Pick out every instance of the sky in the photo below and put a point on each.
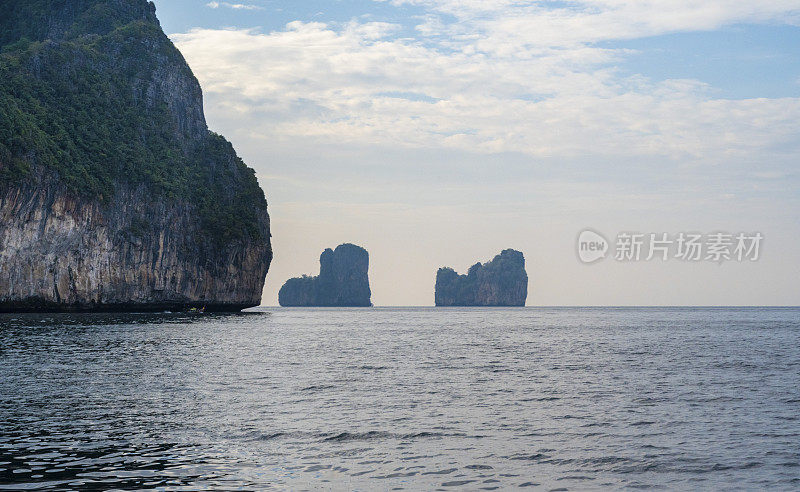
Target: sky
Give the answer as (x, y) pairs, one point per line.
(437, 133)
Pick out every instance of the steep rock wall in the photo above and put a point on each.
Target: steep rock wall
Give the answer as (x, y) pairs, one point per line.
(114, 195)
(500, 282)
(343, 281)
(62, 253)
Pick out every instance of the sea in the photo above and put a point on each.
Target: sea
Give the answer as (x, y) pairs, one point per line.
(403, 399)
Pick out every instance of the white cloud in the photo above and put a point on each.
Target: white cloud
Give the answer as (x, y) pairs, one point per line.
(235, 6)
(503, 25)
(649, 16)
(359, 84)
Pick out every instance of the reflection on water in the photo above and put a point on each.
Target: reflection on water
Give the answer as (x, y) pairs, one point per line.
(402, 398)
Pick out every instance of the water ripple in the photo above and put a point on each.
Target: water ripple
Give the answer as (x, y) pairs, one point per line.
(478, 399)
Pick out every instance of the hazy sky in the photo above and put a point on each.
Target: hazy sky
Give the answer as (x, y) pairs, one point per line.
(436, 133)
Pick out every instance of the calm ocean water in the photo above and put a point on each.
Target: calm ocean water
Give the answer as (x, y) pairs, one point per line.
(392, 399)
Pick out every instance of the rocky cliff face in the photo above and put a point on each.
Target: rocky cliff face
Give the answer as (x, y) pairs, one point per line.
(114, 195)
(343, 281)
(60, 252)
(500, 282)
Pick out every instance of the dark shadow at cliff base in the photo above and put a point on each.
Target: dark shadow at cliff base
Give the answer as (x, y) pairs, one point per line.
(28, 321)
(39, 306)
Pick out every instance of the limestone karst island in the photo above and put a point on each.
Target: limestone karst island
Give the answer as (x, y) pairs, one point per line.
(343, 281)
(114, 195)
(500, 282)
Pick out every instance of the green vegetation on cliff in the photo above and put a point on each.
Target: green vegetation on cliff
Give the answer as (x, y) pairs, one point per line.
(94, 93)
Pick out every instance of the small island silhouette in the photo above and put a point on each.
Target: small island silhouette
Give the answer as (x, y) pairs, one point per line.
(343, 281)
(500, 282)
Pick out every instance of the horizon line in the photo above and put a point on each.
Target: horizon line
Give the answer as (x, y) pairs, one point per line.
(551, 306)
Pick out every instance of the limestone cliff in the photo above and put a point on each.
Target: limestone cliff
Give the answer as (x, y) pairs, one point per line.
(343, 281)
(500, 282)
(114, 195)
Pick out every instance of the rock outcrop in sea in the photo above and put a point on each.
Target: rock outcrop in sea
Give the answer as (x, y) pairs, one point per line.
(343, 281)
(114, 195)
(500, 282)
